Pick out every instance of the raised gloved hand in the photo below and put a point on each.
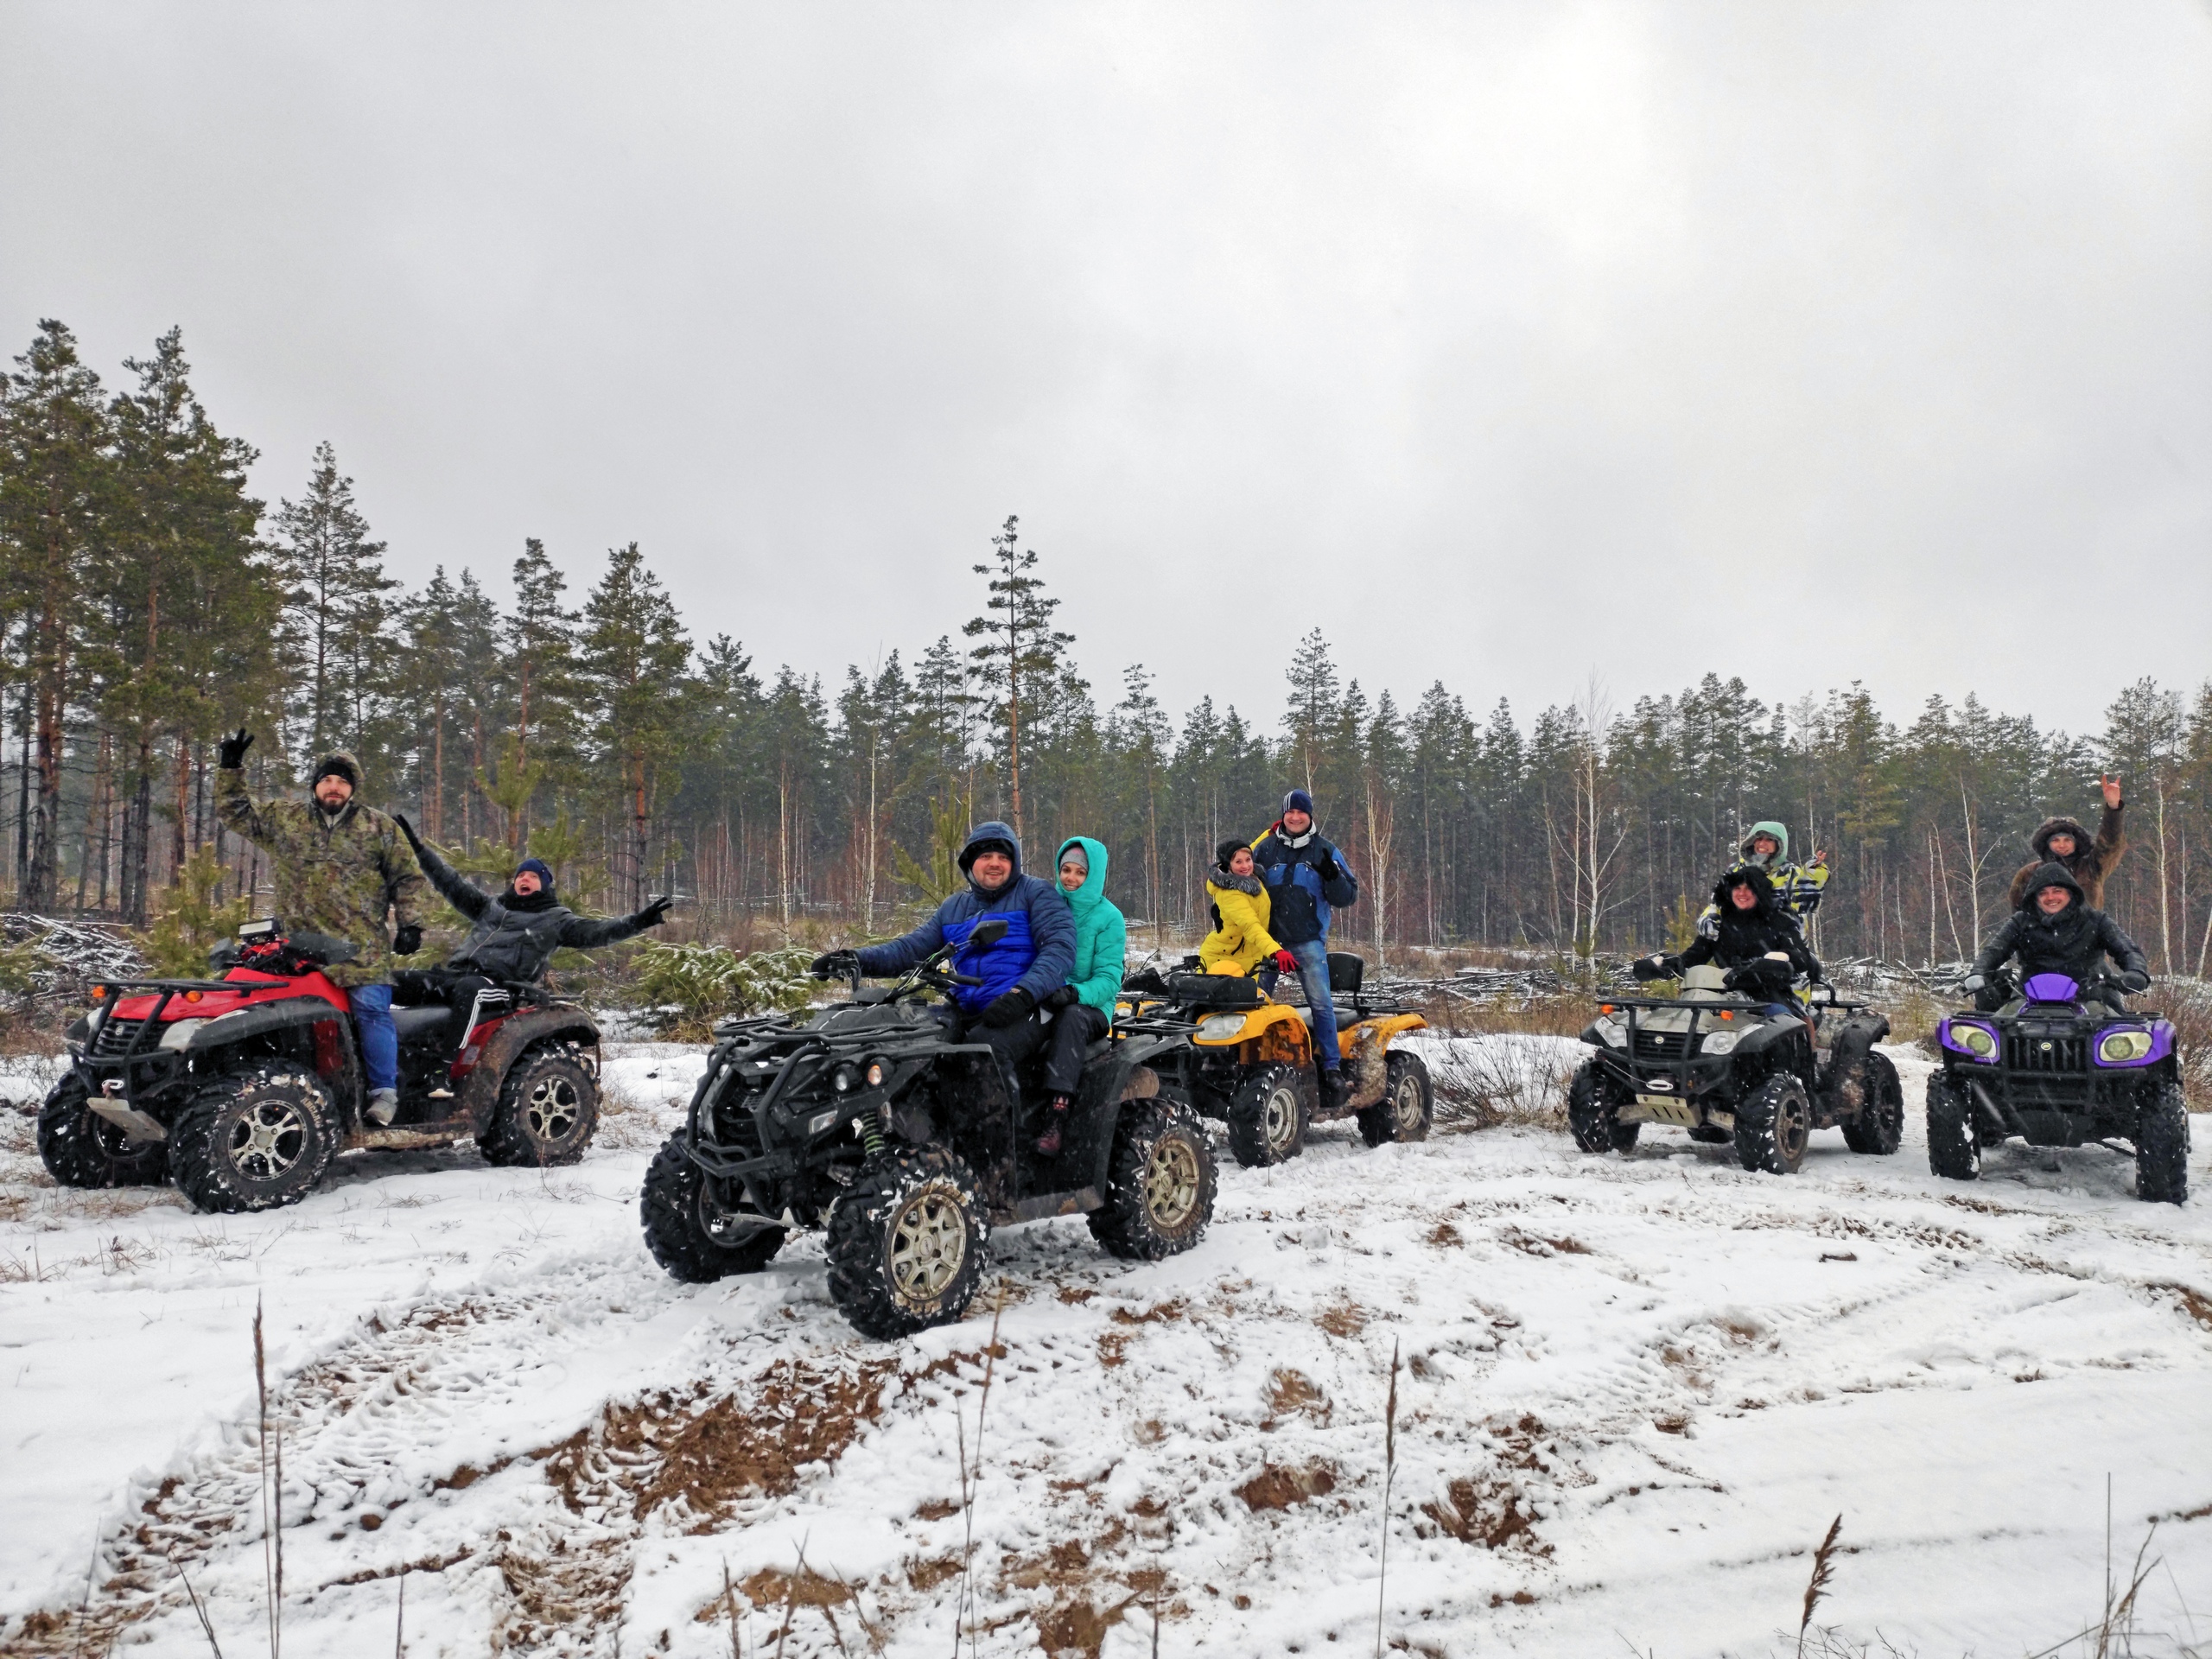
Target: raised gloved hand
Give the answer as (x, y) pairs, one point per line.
(2135, 980)
(835, 964)
(1066, 997)
(1649, 968)
(407, 941)
(1006, 1007)
(656, 912)
(406, 829)
(1285, 962)
(230, 754)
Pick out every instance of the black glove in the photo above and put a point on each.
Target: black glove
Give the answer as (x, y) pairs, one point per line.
(2135, 980)
(1006, 1007)
(406, 829)
(1063, 998)
(837, 965)
(1971, 984)
(656, 912)
(230, 754)
(1650, 968)
(407, 941)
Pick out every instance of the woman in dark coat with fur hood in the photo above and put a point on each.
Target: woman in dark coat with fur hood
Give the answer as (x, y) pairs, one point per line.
(1754, 939)
(2063, 841)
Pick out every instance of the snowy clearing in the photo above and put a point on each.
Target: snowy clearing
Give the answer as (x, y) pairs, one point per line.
(1635, 1392)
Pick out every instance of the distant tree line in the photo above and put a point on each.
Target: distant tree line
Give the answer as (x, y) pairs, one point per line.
(148, 603)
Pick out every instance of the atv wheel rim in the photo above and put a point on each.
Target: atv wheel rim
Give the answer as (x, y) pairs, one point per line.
(929, 1245)
(1170, 1184)
(267, 1140)
(1792, 1129)
(552, 1110)
(1405, 1106)
(1280, 1119)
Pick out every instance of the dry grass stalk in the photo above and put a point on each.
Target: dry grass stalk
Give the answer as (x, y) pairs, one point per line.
(729, 1602)
(272, 1503)
(1389, 1474)
(399, 1623)
(970, 1481)
(1817, 1587)
(200, 1612)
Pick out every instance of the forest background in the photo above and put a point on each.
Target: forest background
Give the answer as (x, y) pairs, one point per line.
(148, 603)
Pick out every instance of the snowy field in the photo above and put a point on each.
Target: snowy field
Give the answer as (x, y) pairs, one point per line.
(1633, 1393)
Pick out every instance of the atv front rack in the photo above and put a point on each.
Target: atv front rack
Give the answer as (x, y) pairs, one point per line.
(1631, 1060)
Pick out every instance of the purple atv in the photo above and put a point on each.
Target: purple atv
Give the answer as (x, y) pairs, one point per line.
(2061, 1066)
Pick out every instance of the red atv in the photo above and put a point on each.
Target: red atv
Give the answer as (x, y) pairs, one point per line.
(243, 1089)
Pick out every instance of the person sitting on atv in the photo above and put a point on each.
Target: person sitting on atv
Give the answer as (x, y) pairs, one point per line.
(1307, 878)
(1760, 945)
(1238, 900)
(2056, 931)
(340, 869)
(1083, 1007)
(513, 934)
(1020, 970)
(1797, 887)
(2062, 840)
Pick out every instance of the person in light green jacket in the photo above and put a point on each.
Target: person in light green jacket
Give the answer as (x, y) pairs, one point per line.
(1083, 1007)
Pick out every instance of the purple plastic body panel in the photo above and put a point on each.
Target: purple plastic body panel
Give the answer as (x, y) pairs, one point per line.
(2051, 987)
(1943, 1035)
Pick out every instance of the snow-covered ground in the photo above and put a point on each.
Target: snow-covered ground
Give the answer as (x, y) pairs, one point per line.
(1633, 1393)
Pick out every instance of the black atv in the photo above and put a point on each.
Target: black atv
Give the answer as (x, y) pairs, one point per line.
(1721, 1066)
(869, 1122)
(2060, 1064)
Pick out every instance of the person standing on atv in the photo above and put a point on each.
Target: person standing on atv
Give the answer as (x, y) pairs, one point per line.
(1083, 1007)
(2062, 840)
(1240, 941)
(1306, 880)
(1797, 887)
(1020, 970)
(2056, 931)
(1759, 943)
(339, 868)
(512, 935)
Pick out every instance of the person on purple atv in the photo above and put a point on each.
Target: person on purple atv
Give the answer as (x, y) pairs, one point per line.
(2055, 931)
(1020, 970)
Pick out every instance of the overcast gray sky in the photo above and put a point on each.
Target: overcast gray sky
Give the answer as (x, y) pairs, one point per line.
(1812, 342)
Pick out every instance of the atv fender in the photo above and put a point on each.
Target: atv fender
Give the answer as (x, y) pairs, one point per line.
(236, 1026)
(479, 1094)
(1766, 1035)
(1365, 1045)
(1847, 1052)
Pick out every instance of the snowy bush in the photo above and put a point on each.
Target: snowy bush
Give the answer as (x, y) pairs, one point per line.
(694, 985)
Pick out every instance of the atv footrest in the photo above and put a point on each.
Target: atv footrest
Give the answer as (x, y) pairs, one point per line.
(1078, 1203)
(406, 1137)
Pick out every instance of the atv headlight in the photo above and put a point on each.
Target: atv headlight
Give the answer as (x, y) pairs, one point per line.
(1219, 1027)
(1719, 1042)
(180, 1033)
(2118, 1047)
(842, 1079)
(878, 1069)
(1611, 1031)
(822, 1123)
(1976, 1041)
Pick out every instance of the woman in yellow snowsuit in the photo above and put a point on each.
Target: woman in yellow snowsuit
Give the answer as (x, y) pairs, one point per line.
(1240, 941)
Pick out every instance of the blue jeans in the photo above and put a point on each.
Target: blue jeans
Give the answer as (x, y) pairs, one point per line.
(1313, 974)
(379, 1037)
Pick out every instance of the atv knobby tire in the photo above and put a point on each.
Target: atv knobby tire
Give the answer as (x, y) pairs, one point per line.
(548, 1110)
(907, 1243)
(254, 1140)
(1594, 1101)
(1407, 1106)
(1269, 1115)
(1773, 1126)
(82, 1148)
(2162, 1147)
(1954, 1144)
(695, 1241)
(1878, 1124)
(1159, 1187)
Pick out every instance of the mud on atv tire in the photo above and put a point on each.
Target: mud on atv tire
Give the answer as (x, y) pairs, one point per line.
(254, 1140)
(1954, 1147)
(1591, 1101)
(1773, 1126)
(1879, 1125)
(907, 1243)
(1268, 1116)
(2162, 1147)
(1159, 1187)
(1408, 1107)
(678, 1223)
(548, 1110)
(82, 1148)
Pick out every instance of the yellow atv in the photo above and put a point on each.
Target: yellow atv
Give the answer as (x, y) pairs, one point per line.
(1251, 1061)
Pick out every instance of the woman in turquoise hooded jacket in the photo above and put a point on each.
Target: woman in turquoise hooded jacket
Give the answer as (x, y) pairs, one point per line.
(1083, 1007)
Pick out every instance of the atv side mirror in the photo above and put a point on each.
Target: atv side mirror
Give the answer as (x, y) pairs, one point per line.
(988, 933)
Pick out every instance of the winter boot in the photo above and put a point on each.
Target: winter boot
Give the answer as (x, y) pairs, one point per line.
(1335, 1090)
(383, 1107)
(1049, 1142)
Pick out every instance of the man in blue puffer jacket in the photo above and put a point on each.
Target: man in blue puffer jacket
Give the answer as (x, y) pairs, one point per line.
(1019, 972)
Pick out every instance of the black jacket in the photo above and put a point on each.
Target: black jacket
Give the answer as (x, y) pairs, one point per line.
(1307, 878)
(2074, 942)
(514, 937)
(1741, 938)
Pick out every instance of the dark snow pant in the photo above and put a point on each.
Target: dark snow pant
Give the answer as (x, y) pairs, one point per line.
(1010, 1044)
(421, 987)
(1074, 1029)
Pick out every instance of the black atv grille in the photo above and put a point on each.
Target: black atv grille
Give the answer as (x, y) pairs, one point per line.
(2046, 1056)
(116, 1036)
(1661, 1044)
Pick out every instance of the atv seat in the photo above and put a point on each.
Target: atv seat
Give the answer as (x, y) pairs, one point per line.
(1214, 990)
(419, 1025)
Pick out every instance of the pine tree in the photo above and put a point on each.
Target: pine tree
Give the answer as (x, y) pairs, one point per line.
(631, 666)
(541, 663)
(1020, 657)
(336, 584)
(1313, 703)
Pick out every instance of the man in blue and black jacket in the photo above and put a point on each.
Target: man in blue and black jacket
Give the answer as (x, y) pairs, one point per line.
(1024, 967)
(1307, 878)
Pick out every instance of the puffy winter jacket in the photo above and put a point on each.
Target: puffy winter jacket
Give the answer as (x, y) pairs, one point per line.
(1035, 954)
(513, 937)
(1797, 887)
(1241, 909)
(1741, 938)
(1307, 881)
(2090, 862)
(2075, 941)
(1101, 934)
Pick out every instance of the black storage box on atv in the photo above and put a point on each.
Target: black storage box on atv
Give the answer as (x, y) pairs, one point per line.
(868, 1121)
(1724, 1068)
(243, 1089)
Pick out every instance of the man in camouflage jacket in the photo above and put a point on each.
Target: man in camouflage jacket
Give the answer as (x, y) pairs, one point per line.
(340, 867)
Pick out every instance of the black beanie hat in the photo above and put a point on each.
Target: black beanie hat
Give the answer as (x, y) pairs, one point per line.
(1229, 850)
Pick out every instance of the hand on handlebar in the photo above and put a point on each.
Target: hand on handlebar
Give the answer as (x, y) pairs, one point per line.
(2134, 981)
(835, 964)
(1285, 962)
